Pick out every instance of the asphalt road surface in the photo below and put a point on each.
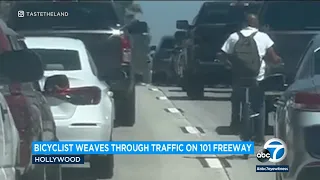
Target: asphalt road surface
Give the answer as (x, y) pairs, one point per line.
(165, 113)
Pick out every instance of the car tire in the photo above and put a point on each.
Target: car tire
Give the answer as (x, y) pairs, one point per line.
(125, 110)
(102, 166)
(193, 86)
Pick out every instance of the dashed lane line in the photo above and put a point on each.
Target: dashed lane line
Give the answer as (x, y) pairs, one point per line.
(172, 110)
(214, 161)
(192, 130)
(162, 98)
(154, 89)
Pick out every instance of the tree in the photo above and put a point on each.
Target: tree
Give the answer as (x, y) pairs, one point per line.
(128, 10)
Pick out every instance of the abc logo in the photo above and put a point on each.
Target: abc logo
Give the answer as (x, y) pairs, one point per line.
(263, 155)
(275, 150)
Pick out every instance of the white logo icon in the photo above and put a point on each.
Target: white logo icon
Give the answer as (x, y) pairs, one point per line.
(20, 14)
(277, 149)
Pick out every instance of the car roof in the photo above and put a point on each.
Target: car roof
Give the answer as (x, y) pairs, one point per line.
(55, 43)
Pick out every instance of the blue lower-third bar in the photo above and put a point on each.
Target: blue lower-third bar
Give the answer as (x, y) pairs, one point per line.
(272, 168)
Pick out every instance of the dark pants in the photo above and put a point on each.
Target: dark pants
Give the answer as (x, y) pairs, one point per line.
(256, 98)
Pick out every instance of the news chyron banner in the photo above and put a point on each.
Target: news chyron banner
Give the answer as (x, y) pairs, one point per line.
(69, 152)
(274, 151)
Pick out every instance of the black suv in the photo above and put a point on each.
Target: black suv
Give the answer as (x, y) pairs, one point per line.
(98, 26)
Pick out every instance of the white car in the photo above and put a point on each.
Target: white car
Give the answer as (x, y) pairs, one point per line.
(83, 111)
(9, 143)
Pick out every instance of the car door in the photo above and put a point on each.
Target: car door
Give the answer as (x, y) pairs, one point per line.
(302, 76)
(9, 142)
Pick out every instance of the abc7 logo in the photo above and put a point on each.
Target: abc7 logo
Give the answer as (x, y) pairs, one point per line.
(275, 150)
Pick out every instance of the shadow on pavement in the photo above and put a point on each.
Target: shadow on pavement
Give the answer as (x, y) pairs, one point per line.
(185, 98)
(206, 91)
(224, 130)
(76, 174)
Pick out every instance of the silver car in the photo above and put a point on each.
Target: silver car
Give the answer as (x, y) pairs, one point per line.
(297, 118)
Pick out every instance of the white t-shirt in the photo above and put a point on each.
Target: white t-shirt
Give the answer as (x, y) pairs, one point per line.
(263, 41)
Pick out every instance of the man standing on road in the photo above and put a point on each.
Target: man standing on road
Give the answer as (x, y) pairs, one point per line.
(264, 46)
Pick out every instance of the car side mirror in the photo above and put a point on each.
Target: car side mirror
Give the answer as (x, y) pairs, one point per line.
(21, 66)
(138, 27)
(182, 24)
(56, 83)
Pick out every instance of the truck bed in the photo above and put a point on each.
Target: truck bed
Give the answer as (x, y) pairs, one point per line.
(290, 46)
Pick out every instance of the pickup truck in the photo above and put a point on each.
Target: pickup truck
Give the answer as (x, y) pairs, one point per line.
(291, 25)
(98, 26)
(205, 36)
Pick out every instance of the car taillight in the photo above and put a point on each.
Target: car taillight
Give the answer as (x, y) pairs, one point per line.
(126, 50)
(80, 96)
(305, 100)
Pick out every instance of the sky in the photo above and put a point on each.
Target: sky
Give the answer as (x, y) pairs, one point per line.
(161, 16)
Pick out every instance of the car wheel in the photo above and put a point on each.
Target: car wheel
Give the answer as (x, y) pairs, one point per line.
(102, 166)
(125, 110)
(194, 88)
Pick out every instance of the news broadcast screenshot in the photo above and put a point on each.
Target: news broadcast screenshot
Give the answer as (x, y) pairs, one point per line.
(159, 90)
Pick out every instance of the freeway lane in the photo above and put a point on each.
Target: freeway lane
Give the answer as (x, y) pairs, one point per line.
(156, 121)
(209, 114)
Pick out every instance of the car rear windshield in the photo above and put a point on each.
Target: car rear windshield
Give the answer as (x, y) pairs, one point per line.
(292, 15)
(59, 60)
(167, 43)
(63, 15)
(317, 61)
(226, 12)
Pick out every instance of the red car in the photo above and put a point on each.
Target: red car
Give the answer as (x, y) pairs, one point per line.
(30, 112)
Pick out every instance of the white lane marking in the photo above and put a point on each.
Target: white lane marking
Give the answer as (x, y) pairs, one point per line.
(162, 98)
(173, 110)
(153, 89)
(192, 130)
(214, 162)
(85, 165)
(143, 84)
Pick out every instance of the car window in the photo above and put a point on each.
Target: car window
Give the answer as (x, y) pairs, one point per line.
(304, 53)
(304, 70)
(66, 15)
(167, 43)
(292, 15)
(226, 12)
(59, 60)
(92, 65)
(316, 61)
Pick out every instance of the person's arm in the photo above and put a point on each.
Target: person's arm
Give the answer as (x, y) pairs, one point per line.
(270, 52)
(227, 49)
(273, 56)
